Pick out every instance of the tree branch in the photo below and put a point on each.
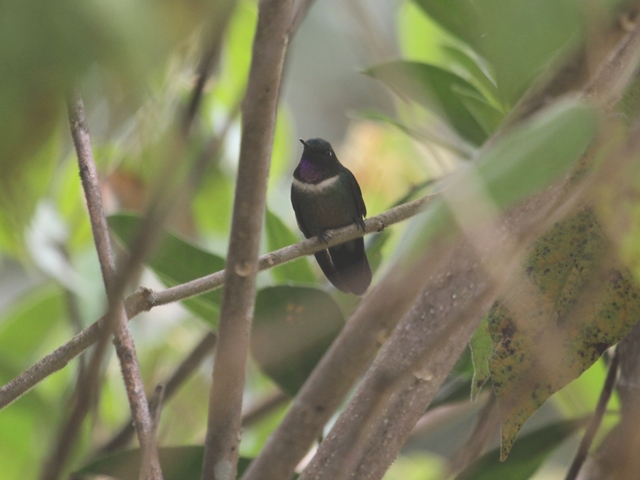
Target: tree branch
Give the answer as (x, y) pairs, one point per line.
(116, 319)
(413, 363)
(342, 364)
(145, 299)
(258, 115)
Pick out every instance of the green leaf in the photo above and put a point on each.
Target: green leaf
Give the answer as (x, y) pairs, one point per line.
(494, 29)
(237, 54)
(176, 261)
(25, 178)
(214, 194)
(517, 53)
(21, 433)
(488, 117)
(177, 463)
(415, 30)
(460, 17)
(459, 59)
(419, 464)
(527, 456)
(293, 327)
(532, 156)
(30, 321)
(434, 88)
(278, 236)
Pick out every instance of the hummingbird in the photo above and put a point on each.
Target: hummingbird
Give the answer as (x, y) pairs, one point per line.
(325, 195)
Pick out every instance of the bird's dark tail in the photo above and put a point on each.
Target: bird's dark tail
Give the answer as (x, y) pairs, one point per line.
(346, 266)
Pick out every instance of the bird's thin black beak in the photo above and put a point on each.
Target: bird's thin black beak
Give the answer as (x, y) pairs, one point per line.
(303, 142)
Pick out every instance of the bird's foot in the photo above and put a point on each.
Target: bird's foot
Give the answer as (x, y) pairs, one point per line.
(324, 237)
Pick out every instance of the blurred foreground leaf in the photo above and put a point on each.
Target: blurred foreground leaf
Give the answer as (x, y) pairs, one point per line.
(459, 17)
(23, 183)
(496, 30)
(27, 325)
(519, 164)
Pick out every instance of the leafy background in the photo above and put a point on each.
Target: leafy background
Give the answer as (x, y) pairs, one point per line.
(407, 92)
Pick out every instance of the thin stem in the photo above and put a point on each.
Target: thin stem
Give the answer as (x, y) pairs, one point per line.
(596, 419)
(292, 252)
(212, 46)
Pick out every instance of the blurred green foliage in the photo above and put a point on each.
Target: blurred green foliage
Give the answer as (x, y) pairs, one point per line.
(464, 65)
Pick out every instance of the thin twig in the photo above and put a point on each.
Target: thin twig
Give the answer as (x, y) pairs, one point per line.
(155, 407)
(212, 46)
(118, 320)
(292, 252)
(258, 115)
(617, 454)
(88, 385)
(596, 419)
(156, 403)
(116, 279)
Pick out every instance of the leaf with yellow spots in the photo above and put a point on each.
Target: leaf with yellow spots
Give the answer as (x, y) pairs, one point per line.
(569, 303)
(293, 327)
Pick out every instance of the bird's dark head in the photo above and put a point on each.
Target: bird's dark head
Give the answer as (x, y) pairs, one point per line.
(317, 146)
(318, 161)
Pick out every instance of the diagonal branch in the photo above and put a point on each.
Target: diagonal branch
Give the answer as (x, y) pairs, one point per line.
(145, 299)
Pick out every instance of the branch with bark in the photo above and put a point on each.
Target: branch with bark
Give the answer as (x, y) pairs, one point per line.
(145, 299)
(115, 322)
